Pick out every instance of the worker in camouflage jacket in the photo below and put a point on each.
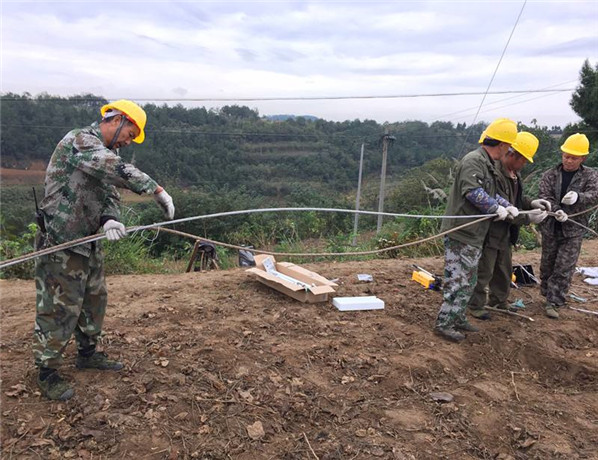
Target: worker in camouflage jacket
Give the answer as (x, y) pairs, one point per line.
(495, 266)
(81, 199)
(473, 193)
(571, 188)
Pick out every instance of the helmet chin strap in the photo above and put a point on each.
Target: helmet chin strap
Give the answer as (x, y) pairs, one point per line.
(117, 132)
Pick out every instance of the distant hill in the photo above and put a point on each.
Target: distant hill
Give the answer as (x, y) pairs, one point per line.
(285, 117)
(234, 147)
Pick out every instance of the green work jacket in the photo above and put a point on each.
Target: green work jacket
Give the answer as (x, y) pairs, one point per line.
(502, 233)
(475, 170)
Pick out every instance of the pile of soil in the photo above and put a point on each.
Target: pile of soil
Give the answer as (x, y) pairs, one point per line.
(218, 366)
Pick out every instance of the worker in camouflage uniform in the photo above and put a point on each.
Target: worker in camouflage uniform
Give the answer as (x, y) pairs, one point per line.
(81, 199)
(571, 188)
(472, 193)
(495, 266)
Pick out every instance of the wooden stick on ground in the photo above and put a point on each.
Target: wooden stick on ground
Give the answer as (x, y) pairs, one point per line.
(514, 386)
(591, 312)
(508, 312)
(309, 445)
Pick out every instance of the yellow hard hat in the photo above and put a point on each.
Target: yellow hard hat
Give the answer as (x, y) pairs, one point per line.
(133, 112)
(526, 144)
(576, 144)
(501, 129)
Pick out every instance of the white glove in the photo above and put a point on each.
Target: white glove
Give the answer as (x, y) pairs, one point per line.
(537, 216)
(164, 200)
(114, 230)
(541, 204)
(513, 212)
(570, 198)
(502, 213)
(561, 216)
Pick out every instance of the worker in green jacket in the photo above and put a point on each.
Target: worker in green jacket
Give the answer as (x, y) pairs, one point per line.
(495, 266)
(472, 193)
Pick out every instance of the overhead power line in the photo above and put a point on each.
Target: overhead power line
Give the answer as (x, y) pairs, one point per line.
(492, 109)
(291, 98)
(494, 74)
(194, 132)
(518, 96)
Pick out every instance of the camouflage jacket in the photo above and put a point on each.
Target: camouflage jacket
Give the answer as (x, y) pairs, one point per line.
(585, 183)
(80, 187)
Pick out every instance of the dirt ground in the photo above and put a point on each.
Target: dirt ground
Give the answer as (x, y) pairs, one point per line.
(218, 366)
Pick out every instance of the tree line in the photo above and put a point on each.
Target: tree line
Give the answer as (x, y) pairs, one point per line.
(232, 158)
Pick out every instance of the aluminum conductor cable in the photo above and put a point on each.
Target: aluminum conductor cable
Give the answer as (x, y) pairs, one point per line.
(351, 253)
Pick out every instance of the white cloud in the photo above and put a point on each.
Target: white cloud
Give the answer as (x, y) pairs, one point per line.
(269, 49)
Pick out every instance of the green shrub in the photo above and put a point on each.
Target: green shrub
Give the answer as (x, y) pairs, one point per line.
(527, 238)
(406, 230)
(128, 255)
(9, 249)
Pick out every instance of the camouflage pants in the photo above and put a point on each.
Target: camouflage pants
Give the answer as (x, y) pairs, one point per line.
(71, 299)
(559, 256)
(494, 273)
(460, 276)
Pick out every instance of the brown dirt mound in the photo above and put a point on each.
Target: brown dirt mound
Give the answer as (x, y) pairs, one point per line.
(219, 367)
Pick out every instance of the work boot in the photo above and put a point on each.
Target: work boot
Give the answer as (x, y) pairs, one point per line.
(54, 387)
(466, 326)
(552, 311)
(449, 332)
(480, 313)
(505, 307)
(98, 360)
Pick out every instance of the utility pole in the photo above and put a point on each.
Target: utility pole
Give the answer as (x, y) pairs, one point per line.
(358, 196)
(386, 139)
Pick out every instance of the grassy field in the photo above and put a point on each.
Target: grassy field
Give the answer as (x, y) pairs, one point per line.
(35, 176)
(21, 176)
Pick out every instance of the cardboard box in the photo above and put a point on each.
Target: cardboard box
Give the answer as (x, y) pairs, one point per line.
(315, 288)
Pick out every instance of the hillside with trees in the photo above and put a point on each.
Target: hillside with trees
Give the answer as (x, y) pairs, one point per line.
(233, 158)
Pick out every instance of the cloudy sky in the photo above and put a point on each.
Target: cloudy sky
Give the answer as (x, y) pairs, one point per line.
(148, 50)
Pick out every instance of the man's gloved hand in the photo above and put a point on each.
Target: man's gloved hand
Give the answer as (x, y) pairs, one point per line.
(164, 200)
(541, 204)
(561, 216)
(512, 211)
(502, 213)
(114, 230)
(570, 198)
(537, 215)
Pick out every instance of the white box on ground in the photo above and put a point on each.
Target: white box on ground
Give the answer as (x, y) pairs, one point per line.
(358, 303)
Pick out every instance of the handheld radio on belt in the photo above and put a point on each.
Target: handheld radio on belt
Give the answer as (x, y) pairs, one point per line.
(39, 216)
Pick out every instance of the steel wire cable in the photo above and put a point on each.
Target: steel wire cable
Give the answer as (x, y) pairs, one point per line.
(161, 225)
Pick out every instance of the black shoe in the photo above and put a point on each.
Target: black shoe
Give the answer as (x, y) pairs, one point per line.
(449, 333)
(480, 313)
(466, 326)
(55, 387)
(98, 360)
